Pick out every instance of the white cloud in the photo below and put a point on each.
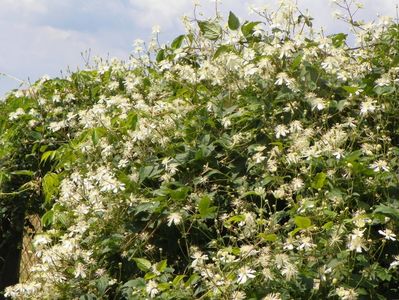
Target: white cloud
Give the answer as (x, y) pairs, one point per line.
(46, 36)
(23, 6)
(154, 12)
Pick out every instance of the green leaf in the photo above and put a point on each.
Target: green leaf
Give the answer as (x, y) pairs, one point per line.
(135, 283)
(302, 222)
(319, 180)
(161, 266)
(23, 173)
(235, 219)
(328, 225)
(193, 279)
(341, 104)
(233, 21)
(222, 49)
(210, 30)
(102, 284)
(160, 55)
(97, 133)
(295, 231)
(384, 90)
(177, 42)
(177, 280)
(50, 185)
(131, 121)
(48, 155)
(179, 194)
(149, 276)
(163, 286)
(296, 62)
(204, 208)
(268, 237)
(339, 39)
(142, 263)
(148, 172)
(248, 27)
(350, 89)
(387, 211)
(47, 218)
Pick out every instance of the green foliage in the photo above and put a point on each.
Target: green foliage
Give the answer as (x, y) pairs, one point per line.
(233, 21)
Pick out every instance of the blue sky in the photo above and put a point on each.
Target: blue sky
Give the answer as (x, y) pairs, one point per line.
(41, 37)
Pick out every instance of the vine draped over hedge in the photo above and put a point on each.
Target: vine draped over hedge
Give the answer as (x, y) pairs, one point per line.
(246, 160)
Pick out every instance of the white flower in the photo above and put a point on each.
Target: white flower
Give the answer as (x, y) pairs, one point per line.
(258, 157)
(282, 78)
(388, 234)
(226, 122)
(152, 288)
(286, 50)
(289, 271)
(199, 258)
(156, 29)
(288, 244)
(330, 64)
(248, 250)
(356, 241)
(306, 244)
(338, 154)
(174, 218)
(272, 296)
(281, 130)
(16, 114)
(296, 126)
(244, 274)
(346, 294)
(260, 148)
(238, 295)
(297, 184)
(41, 240)
(56, 126)
(281, 260)
(395, 263)
(260, 191)
(80, 271)
(380, 165)
(316, 102)
(367, 106)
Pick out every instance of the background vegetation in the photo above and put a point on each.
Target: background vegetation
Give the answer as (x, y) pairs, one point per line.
(245, 160)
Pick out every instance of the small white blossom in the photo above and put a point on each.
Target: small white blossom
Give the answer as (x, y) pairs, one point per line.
(272, 296)
(244, 274)
(80, 271)
(356, 241)
(379, 165)
(282, 78)
(388, 234)
(367, 106)
(281, 131)
(174, 218)
(297, 184)
(258, 157)
(395, 263)
(152, 288)
(306, 244)
(346, 294)
(16, 114)
(199, 259)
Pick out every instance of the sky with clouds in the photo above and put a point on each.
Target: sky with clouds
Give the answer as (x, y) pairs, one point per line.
(49, 36)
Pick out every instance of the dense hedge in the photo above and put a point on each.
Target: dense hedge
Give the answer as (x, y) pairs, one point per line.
(245, 160)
